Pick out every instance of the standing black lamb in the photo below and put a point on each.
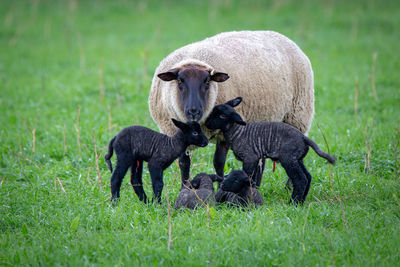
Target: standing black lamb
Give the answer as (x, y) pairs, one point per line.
(136, 144)
(251, 143)
(238, 189)
(198, 191)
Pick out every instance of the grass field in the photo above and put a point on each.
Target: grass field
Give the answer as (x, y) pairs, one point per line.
(73, 73)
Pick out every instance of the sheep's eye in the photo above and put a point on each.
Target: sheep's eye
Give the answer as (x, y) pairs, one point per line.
(222, 116)
(195, 133)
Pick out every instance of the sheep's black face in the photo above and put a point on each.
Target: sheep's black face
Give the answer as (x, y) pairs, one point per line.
(224, 115)
(192, 133)
(193, 83)
(235, 181)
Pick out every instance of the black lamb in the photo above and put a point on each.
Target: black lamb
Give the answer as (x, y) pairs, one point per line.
(136, 144)
(198, 191)
(252, 143)
(237, 189)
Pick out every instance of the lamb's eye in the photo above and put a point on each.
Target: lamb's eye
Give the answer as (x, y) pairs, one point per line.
(222, 116)
(195, 133)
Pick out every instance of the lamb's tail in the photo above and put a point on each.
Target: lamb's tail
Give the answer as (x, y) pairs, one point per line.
(108, 156)
(317, 150)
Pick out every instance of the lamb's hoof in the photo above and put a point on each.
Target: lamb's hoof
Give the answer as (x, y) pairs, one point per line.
(114, 202)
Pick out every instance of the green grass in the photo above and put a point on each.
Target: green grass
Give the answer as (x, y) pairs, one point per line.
(57, 57)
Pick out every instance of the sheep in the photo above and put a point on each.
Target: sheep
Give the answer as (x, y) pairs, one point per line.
(238, 189)
(136, 144)
(266, 68)
(252, 143)
(198, 191)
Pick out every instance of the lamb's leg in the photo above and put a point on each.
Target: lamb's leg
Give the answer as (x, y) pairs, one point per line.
(250, 168)
(308, 175)
(220, 157)
(184, 165)
(289, 184)
(260, 171)
(122, 166)
(299, 180)
(136, 179)
(156, 174)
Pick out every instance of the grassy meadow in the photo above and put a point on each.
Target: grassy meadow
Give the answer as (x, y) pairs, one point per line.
(74, 73)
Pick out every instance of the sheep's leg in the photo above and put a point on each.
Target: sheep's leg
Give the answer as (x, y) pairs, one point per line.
(260, 171)
(220, 157)
(156, 174)
(308, 175)
(136, 179)
(250, 168)
(299, 180)
(117, 176)
(184, 165)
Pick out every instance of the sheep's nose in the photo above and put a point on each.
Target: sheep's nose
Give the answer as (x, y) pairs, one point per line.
(194, 114)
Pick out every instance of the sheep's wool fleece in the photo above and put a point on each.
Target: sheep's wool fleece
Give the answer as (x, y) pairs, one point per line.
(267, 69)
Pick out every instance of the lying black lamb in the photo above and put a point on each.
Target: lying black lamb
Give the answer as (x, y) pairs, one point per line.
(252, 143)
(238, 189)
(136, 144)
(198, 191)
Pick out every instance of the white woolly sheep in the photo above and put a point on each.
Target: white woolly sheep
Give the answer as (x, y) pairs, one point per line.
(266, 68)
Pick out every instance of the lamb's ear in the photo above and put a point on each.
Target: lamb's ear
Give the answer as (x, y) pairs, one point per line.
(234, 102)
(216, 178)
(179, 124)
(195, 183)
(170, 75)
(238, 119)
(218, 76)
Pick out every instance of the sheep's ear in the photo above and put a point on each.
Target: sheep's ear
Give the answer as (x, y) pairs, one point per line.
(216, 178)
(179, 124)
(234, 102)
(238, 119)
(218, 76)
(170, 75)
